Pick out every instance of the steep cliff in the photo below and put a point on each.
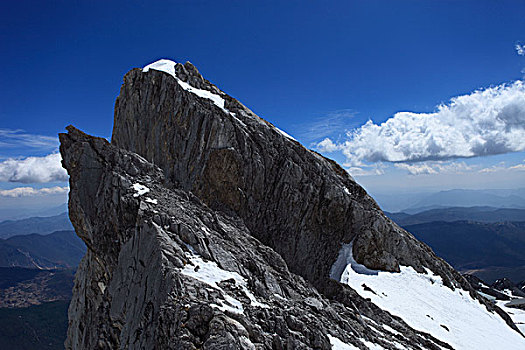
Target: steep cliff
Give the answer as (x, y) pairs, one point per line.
(208, 227)
(164, 271)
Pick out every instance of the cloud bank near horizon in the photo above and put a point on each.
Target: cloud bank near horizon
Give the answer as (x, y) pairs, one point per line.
(33, 169)
(485, 122)
(30, 191)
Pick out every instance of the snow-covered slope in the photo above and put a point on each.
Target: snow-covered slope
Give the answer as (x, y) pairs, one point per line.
(517, 315)
(424, 303)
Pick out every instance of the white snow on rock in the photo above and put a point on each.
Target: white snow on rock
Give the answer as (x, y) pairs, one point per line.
(338, 344)
(210, 273)
(216, 99)
(140, 189)
(163, 65)
(150, 200)
(284, 134)
(168, 66)
(426, 304)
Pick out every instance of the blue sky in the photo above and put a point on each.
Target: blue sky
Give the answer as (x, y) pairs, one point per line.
(314, 69)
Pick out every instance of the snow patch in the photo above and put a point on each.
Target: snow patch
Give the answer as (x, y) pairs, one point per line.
(284, 134)
(168, 66)
(345, 259)
(338, 344)
(210, 273)
(139, 189)
(150, 200)
(426, 304)
(517, 315)
(162, 65)
(390, 329)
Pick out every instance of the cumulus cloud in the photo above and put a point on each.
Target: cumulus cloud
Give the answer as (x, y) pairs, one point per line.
(365, 171)
(33, 169)
(485, 122)
(425, 168)
(327, 146)
(30, 191)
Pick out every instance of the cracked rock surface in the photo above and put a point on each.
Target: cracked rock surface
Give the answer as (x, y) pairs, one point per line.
(164, 271)
(208, 228)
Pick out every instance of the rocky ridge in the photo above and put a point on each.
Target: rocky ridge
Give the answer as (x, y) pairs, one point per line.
(230, 239)
(164, 271)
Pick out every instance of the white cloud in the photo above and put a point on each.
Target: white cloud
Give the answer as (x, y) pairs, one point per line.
(30, 191)
(365, 170)
(10, 138)
(520, 167)
(327, 146)
(485, 122)
(520, 49)
(502, 167)
(33, 169)
(359, 171)
(417, 169)
(435, 168)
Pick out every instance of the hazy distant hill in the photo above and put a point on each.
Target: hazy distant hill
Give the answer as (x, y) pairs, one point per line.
(470, 198)
(488, 250)
(40, 225)
(417, 202)
(480, 214)
(59, 249)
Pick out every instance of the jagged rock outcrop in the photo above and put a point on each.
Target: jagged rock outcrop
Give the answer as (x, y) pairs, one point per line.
(164, 271)
(504, 284)
(207, 227)
(294, 200)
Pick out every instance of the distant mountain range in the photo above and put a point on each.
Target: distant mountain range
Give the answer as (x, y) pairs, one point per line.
(486, 242)
(61, 249)
(42, 225)
(412, 203)
(479, 214)
(34, 296)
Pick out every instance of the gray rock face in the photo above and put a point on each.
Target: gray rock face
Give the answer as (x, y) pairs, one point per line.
(206, 227)
(164, 271)
(299, 203)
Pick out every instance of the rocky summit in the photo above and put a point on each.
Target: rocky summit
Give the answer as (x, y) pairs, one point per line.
(208, 227)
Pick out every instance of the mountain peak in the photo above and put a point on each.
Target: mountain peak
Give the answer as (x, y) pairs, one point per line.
(233, 233)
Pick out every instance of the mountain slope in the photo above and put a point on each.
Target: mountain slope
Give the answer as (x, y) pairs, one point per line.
(22, 287)
(35, 327)
(42, 225)
(297, 202)
(233, 239)
(489, 250)
(61, 249)
(174, 274)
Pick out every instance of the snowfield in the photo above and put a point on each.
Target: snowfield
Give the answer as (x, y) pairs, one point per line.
(425, 304)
